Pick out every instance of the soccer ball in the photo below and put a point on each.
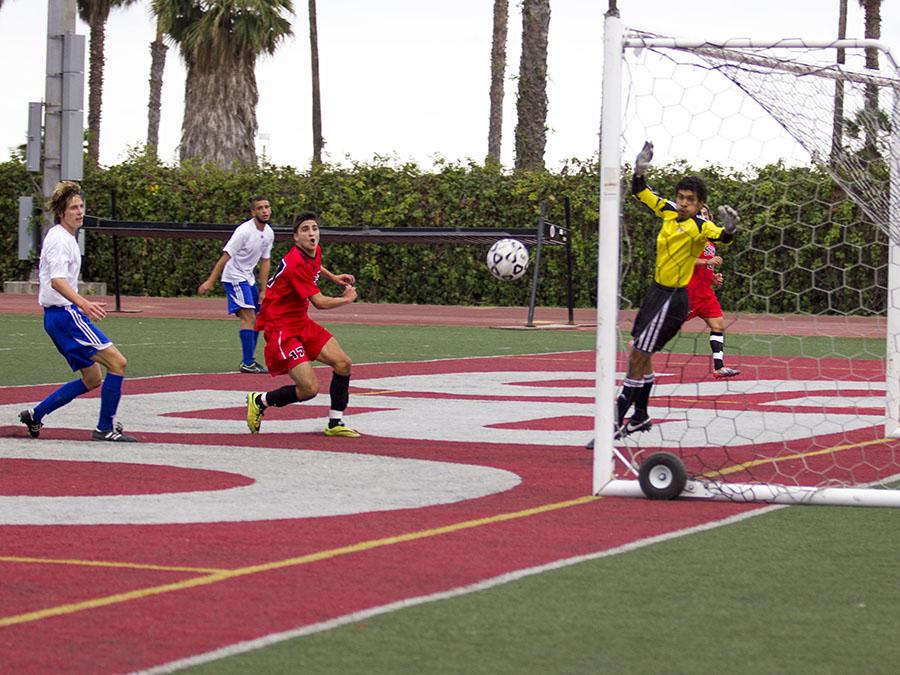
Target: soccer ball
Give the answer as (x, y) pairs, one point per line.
(507, 259)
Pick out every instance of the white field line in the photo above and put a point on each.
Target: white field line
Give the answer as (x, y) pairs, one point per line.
(267, 640)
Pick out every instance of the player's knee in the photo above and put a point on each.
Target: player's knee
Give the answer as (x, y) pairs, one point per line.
(307, 390)
(92, 378)
(342, 366)
(117, 365)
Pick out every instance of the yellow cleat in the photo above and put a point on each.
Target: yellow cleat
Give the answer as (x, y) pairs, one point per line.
(341, 430)
(254, 413)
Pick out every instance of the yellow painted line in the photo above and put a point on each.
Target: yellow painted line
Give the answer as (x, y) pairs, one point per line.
(801, 455)
(218, 576)
(71, 608)
(379, 393)
(106, 563)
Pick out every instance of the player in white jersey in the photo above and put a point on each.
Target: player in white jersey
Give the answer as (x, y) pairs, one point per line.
(67, 320)
(249, 245)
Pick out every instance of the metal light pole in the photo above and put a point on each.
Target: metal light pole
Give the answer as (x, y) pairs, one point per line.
(63, 98)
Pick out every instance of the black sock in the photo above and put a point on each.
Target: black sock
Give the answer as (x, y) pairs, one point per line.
(642, 398)
(340, 392)
(717, 345)
(282, 396)
(630, 389)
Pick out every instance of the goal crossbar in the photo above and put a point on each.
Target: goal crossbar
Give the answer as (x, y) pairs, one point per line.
(725, 51)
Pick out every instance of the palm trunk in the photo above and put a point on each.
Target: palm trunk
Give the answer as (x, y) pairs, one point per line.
(531, 129)
(498, 73)
(316, 100)
(873, 31)
(158, 51)
(837, 124)
(220, 113)
(95, 87)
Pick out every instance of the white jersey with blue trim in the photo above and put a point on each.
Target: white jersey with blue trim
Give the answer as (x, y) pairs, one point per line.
(247, 245)
(60, 258)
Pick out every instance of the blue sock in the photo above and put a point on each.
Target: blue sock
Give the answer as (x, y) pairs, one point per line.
(248, 345)
(110, 394)
(255, 342)
(59, 398)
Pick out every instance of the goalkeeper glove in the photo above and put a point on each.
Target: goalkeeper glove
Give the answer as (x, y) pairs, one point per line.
(645, 156)
(728, 219)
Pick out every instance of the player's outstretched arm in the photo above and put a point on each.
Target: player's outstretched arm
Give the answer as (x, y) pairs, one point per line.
(213, 277)
(339, 279)
(322, 301)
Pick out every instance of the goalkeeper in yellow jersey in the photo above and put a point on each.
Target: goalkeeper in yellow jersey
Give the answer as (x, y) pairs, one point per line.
(682, 236)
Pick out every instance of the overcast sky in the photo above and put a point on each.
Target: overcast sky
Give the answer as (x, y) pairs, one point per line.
(402, 78)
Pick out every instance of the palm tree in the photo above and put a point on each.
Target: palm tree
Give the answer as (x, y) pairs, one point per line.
(158, 51)
(220, 41)
(531, 107)
(498, 72)
(316, 98)
(873, 31)
(95, 13)
(837, 125)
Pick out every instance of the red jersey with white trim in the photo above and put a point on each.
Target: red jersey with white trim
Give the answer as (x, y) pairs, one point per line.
(288, 291)
(701, 281)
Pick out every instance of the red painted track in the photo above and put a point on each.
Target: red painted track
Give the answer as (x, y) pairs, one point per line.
(160, 627)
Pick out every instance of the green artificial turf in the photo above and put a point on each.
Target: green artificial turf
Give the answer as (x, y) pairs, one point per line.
(796, 590)
(164, 346)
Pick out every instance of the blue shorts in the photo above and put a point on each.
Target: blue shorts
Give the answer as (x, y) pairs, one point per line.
(241, 295)
(76, 338)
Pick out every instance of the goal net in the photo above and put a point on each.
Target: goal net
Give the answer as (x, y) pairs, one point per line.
(803, 139)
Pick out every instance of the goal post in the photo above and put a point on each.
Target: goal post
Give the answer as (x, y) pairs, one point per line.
(758, 113)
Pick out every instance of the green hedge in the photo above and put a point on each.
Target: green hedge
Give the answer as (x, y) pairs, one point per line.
(802, 248)
(14, 182)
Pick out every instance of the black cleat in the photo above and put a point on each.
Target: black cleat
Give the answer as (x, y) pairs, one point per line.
(252, 368)
(633, 425)
(636, 424)
(115, 435)
(26, 417)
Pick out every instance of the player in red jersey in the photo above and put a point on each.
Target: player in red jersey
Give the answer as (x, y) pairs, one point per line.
(705, 304)
(294, 340)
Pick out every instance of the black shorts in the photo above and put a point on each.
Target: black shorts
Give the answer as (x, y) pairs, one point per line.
(660, 317)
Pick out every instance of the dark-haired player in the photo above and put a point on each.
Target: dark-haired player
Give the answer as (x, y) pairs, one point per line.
(68, 321)
(704, 303)
(250, 245)
(294, 340)
(682, 236)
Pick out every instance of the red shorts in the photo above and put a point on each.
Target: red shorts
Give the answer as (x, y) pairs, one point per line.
(285, 350)
(704, 305)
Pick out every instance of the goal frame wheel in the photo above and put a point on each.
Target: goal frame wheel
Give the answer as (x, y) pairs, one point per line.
(662, 476)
